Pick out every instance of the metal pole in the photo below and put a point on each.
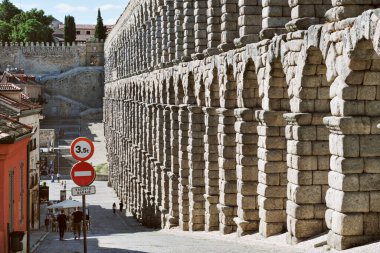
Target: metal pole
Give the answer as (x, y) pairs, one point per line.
(84, 224)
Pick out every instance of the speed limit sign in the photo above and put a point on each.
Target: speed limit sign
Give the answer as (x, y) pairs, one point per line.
(82, 149)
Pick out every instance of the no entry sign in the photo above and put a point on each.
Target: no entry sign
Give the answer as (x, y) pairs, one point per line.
(82, 149)
(83, 174)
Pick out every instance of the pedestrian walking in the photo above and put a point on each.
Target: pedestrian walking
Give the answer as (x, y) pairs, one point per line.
(121, 205)
(114, 207)
(62, 218)
(58, 176)
(47, 222)
(77, 223)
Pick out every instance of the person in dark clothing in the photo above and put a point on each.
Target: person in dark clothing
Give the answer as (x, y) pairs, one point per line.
(77, 223)
(62, 224)
(114, 208)
(47, 222)
(121, 205)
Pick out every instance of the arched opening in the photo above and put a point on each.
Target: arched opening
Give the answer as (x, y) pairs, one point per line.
(248, 99)
(308, 147)
(272, 150)
(200, 92)
(164, 92)
(180, 96)
(171, 91)
(212, 92)
(190, 96)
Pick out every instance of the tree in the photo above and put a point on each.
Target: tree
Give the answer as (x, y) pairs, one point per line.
(100, 29)
(38, 15)
(33, 31)
(5, 31)
(70, 29)
(8, 11)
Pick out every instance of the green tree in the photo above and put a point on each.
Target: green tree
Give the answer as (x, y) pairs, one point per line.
(38, 15)
(8, 11)
(70, 29)
(5, 31)
(33, 31)
(100, 29)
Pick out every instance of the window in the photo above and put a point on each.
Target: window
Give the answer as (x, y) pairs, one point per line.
(78, 32)
(21, 192)
(88, 32)
(11, 200)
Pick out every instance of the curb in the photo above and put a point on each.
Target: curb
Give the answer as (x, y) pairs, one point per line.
(35, 246)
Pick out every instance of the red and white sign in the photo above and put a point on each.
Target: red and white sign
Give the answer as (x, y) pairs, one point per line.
(83, 174)
(82, 149)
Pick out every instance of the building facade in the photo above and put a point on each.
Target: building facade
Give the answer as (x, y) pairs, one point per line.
(245, 116)
(14, 138)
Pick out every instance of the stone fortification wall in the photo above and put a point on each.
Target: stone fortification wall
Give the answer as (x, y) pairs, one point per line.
(50, 58)
(244, 116)
(73, 92)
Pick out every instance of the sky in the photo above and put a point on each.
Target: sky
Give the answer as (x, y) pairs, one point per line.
(84, 11)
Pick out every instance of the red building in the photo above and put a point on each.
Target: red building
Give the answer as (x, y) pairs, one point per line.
(14, 138)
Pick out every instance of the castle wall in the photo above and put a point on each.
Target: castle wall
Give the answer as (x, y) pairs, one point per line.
(271, 128)
(51, 58)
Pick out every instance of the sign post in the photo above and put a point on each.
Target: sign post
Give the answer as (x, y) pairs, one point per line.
(83, 174)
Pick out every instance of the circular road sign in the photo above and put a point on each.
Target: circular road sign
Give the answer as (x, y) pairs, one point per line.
(82, 149)
(83, 174)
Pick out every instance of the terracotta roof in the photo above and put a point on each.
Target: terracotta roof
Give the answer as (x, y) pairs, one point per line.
(9, 111)
(20, 105)
(11, 129)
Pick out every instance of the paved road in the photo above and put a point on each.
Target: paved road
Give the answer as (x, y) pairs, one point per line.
(119, 233)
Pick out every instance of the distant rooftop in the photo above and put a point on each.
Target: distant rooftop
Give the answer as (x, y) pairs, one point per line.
(11, 129)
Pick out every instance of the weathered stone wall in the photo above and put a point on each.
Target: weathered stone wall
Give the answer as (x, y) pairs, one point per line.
(232, 116)
(43, 59)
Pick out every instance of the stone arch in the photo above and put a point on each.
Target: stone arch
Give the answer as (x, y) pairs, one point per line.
(171, 92)
(180, 94)
(200, 92)
(310, 103)
(164, 92)
(212, 90)
(248, 89)
(228, 89)
(190, 91)
(272, 149)
(355, 149)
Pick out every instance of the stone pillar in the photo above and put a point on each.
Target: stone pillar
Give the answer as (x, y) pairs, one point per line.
(170, 29)
(197, 169)
(174, 172)
(158, 39)
(166, 168)
(211, 169)
(306, 14)
(308, 167)
(164, 35)
(178, 19)
(249, 22)
(353, 197)
(272, 172)
(227, 171)
(188, 30)
(148, 50)
(229, 22)
(275, 15)
(183, 135)
(153, 42)
(247, 173)
(200, 27)
(214, 12)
